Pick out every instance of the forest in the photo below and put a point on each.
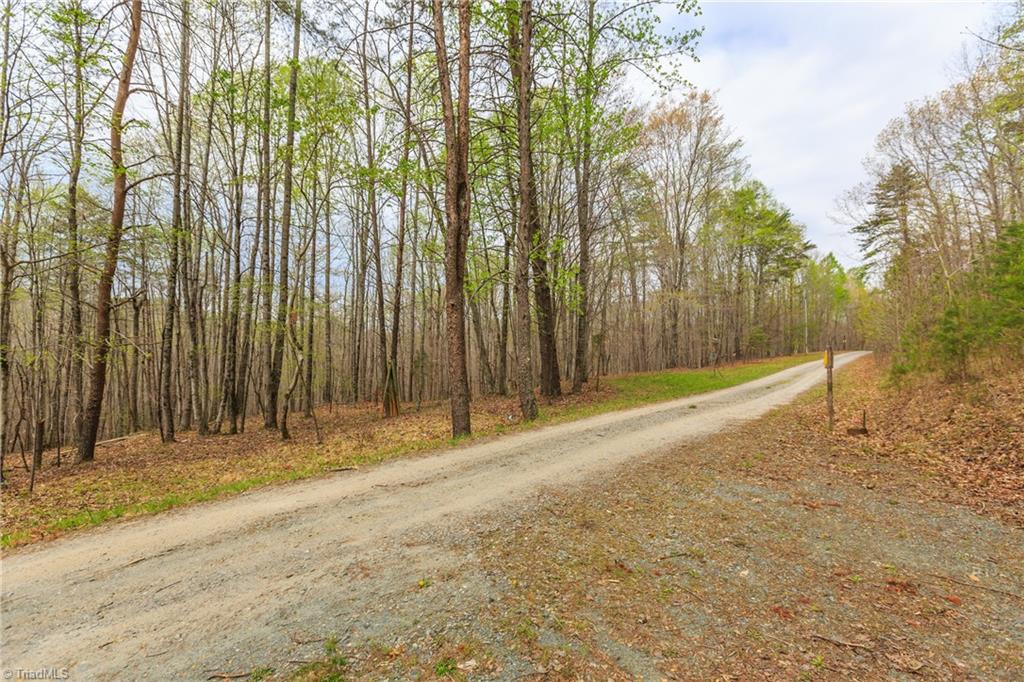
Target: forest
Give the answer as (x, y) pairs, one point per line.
(485, 340)
(218, 214)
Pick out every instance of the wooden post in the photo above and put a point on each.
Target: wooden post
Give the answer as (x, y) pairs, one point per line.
(37, 452)
(829, 364)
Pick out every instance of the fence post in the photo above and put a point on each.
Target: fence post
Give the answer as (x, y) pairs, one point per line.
(829, 364)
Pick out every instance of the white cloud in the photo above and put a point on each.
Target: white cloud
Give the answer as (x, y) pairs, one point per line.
(808, 86)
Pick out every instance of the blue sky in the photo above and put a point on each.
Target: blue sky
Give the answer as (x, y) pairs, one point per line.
(808, 86)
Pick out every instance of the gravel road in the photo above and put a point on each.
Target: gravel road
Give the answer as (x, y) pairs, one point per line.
(226, 586)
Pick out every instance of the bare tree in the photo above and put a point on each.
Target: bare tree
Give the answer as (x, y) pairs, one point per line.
(98, 379)
(283, 308)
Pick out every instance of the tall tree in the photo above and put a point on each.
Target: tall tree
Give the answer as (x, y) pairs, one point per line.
(391, 382)
(98, 378)
(457, 198)
(167, 338)
(283, 307)
(520, 42)
(267, 276)
(78, 33)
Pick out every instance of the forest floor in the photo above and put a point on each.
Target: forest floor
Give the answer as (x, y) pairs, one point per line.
(140, 475)
(707, 538)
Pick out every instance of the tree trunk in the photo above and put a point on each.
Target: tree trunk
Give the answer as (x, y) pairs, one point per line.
(74, 274)
(6, 290)
(457, 206)
(310, 314)
(583, 213)
(267, 293)
(167, 337)
(522, 77)
(389, 394)
(98, 379)
(391, 383)
(274, 379)
(328, 392)
(501, 380)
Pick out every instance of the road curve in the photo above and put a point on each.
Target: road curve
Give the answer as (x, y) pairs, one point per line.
(181, 594)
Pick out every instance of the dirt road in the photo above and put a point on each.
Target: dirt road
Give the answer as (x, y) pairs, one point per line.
(231, 585)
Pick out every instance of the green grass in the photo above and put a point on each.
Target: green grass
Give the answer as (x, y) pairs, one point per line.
(635, 390)
(94, 517)
(628, 391)
(657, 386)
(445, 668)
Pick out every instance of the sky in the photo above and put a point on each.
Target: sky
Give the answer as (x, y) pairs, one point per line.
(809, 85)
